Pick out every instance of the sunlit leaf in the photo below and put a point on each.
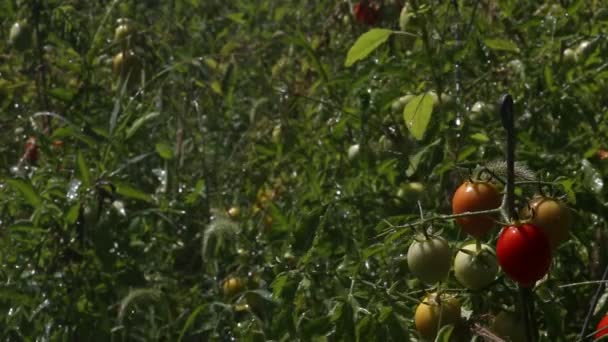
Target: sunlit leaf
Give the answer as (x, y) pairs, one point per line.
(417, 115)
(366, 44)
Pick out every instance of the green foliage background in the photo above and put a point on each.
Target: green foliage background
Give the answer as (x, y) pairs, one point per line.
(122, 232)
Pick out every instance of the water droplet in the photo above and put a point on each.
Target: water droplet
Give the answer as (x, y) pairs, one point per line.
(73, 188)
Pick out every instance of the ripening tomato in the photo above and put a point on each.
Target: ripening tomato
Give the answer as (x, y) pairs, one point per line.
(602, 328)
(232, 286)
(234, 212)
(434, 312)
(552, 215)
(429, 259)
(31, 150)
(476, 196)
(365, 14)
(524, 253)
(475, 268)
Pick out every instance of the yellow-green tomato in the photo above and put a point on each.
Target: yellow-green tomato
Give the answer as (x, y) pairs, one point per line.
(122, 32)
(429, 259)
(353, 151)
(508, 326)
(126, 64)
(435, 312)
(475, 268)
(569, 55)
(20, 36)
(232, 286)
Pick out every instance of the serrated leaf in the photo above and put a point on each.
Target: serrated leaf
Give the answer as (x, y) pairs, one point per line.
(501, 45)
(366, 44)
(27, 191)
(164, 151)
(417, 115)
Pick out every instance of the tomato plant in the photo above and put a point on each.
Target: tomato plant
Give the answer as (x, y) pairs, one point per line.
(434, 312)
(429, 259)
(474, 267)
(524, 253)
(475, 196)
(552, 215)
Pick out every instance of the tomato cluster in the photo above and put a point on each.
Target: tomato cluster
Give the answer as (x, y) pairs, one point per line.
(523, 251)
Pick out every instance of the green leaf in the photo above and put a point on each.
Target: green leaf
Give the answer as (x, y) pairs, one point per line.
(73, 213)
(501, 45)
(164, 151)
(366, 43)
(131, 192)
(62, 94)
(26, 189)
(417, 115)
(191, 319)
(480, 137)
(139, 122)
(83, 169)
(445, 334)
(549, 79)
(417, 158)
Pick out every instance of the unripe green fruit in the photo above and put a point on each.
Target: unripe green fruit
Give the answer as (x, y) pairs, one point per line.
(122, 32)
(429, 259)
(475, 269)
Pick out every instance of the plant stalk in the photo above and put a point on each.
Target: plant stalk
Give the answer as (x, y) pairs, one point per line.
(508, 121)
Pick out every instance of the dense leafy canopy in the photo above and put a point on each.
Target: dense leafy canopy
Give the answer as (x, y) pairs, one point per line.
(115, 221)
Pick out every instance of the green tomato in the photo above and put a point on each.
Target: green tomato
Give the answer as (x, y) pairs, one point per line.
(353, 151)
(429, 259)
(475, 269)
(122, 32)
(569, 56)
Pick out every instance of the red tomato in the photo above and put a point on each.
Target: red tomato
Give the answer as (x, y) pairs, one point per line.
(602, 328)
(524, 253)
(476, 196)
(365, 14)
